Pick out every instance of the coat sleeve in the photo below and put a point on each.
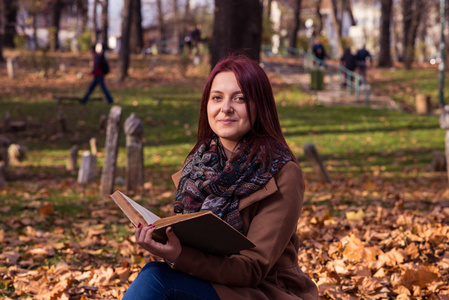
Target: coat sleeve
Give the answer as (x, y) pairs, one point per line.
(271, 229)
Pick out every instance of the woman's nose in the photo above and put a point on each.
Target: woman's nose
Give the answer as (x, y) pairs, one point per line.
(227, 107)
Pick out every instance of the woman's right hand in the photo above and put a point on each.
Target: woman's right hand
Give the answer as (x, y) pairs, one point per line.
(168, 251)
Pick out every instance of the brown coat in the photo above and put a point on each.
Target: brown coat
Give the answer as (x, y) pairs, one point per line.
(270, 270)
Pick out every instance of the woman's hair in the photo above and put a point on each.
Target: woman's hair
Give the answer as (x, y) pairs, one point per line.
(256, 88)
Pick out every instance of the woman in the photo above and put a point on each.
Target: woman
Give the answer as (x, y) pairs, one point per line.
(241, 169)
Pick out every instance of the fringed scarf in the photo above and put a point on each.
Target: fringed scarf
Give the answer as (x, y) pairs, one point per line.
(210, 182)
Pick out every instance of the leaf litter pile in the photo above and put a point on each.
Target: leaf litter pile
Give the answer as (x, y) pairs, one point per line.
(383, 245)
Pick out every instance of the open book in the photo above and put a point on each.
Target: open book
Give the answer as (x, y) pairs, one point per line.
(201, 230)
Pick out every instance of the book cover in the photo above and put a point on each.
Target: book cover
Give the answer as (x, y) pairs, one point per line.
(201, 230)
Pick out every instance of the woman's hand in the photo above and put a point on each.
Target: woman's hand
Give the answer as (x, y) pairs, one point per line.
(169, 251)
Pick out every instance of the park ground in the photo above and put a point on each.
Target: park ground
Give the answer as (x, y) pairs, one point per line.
(379, 231)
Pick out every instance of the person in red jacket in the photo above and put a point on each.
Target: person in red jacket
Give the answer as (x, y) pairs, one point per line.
(98, 75)
(241, 169)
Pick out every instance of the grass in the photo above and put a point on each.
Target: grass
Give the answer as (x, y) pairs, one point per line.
(403, 85)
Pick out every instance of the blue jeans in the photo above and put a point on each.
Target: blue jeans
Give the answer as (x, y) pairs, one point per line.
(97, 80)
(158, 281)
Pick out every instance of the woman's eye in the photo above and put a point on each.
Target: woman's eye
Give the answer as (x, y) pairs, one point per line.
(240, 99)
(216, 98)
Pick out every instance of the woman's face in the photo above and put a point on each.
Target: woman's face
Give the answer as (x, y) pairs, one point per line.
(226, 110)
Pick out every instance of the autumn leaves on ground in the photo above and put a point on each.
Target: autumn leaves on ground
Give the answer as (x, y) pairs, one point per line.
(379, 231)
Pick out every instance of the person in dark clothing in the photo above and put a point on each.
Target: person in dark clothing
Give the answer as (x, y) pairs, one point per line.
(361, 57)
(98, 75)
(348, 61)
(318, 50)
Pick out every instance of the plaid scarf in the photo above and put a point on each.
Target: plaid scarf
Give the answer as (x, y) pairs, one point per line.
(210, 182)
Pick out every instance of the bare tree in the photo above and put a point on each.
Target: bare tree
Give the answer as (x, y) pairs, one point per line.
(318, 27)
(94, 23)
(161, 25)
(104, 24)
(176, 25)
(10, 14)
(296, 20)
(123, 57)
(237, 26)
(385, 33)
(55, 22)
(412, 11)
(2, 28)
(136, 34)
(82, 6)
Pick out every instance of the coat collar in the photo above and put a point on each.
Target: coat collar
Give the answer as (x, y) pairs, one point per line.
(269, 189)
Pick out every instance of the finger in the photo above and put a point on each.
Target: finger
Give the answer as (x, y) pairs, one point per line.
(138, 230)
(147, 236)
(172, 238)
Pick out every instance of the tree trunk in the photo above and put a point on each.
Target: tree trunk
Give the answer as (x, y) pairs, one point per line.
(176, 26)
(83, 11)
(123, 57)
(295, 28)
(446, 48)
(161, 26)
(237, 26)
(318, 27)
(104, 24)
(385, 33)
(55, 21)
(136, 34)
(94, 23)
(336, 24)
(268, 15)
(2, 29)
(10, 13)
(412, 12)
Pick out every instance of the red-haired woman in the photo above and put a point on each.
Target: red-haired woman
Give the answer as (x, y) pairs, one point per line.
(242, 170)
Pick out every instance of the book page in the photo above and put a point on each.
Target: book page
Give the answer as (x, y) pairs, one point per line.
(146, 214)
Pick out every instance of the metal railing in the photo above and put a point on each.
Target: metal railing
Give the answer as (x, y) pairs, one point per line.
(308, 62)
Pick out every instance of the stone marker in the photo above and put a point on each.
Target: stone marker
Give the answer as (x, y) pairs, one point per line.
(4, 156)
(6, 122)
(62, 122)
(422, 103)
(2, 176)
(438, 162)
(93, 146)
(444, 124)
(16, 153)
(87, 171)
(134, 153)
(72, 162)
(317, 164)
(10, 68)
(111, 150)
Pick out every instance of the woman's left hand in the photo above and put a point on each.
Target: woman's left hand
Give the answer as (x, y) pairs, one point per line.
(169, 251)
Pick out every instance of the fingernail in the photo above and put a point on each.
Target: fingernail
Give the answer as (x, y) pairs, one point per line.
(140, 225)
(149, 225)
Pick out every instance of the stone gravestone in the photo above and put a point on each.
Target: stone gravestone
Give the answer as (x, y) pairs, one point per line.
(317, 164)
(134, 153)
(111, 151)
(86, 173)
(2, 176)
(10, 68)
(422, 103)
(4, 156)
(444, 124)
(72, 162)
(16, 153)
